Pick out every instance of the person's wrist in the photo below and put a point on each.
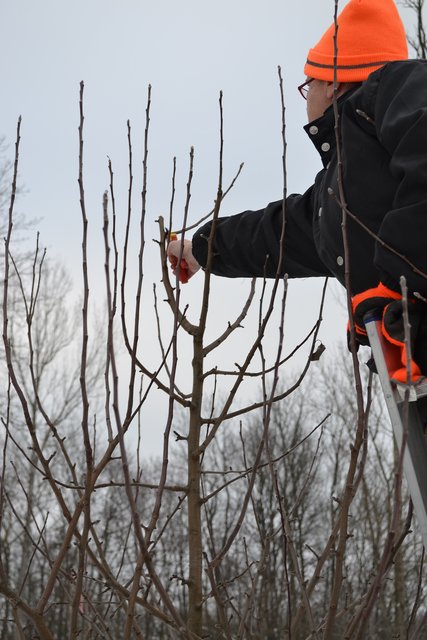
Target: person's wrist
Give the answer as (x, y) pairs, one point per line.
(199, 247)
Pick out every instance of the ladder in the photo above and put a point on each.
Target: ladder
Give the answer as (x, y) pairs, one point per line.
(415, 452)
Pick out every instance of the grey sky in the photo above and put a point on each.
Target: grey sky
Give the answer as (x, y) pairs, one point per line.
(189, 51)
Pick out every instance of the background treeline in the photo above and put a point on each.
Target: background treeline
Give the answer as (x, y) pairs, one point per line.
(278, 513)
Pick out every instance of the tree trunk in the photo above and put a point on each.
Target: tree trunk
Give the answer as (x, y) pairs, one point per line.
(194, 497)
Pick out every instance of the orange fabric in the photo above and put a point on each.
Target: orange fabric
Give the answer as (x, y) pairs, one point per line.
(370, 34)
(401, 358)
(381, 291)
(358, 330)
(400, 375)
(398, 352)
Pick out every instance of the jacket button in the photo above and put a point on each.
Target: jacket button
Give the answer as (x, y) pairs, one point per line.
(340, 261)
(325, 146)
(313, 130)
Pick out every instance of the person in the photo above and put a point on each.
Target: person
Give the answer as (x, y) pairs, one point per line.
(381, 99)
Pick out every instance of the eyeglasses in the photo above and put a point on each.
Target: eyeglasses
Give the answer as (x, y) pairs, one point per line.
(303, 88)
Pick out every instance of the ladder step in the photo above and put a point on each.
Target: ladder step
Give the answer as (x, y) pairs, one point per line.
(416, 391)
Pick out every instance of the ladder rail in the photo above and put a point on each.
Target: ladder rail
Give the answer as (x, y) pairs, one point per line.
(415, 453)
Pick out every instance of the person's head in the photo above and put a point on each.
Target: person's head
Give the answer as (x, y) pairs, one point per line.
(370, 33)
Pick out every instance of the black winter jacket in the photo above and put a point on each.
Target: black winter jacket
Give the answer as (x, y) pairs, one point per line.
(383, 130)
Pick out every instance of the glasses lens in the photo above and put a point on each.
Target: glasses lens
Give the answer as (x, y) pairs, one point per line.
(303, 89)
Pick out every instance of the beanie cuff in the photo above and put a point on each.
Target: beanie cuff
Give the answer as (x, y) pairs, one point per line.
(349, 68)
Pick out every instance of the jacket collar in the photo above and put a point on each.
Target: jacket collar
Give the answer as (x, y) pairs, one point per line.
(322, 131)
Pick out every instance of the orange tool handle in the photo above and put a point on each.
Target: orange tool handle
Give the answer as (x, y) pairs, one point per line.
(183, 266)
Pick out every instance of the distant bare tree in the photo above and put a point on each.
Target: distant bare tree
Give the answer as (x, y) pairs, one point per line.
(418, 41)
(283, 516)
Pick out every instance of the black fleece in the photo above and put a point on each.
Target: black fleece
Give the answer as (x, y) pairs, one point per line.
(383, 133)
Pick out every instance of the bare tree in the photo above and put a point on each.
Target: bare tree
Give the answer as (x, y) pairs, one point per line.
(282, 516)
(418, 41)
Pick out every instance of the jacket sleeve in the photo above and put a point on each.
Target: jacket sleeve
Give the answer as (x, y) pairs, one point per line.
(248, 244)
(400, 114)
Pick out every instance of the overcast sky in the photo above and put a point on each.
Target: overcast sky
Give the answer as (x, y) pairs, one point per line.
(188, 51)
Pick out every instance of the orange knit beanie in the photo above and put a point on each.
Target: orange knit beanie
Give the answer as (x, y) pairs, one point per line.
(370, 34)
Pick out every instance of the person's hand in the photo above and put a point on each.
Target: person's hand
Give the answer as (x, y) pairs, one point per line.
(393, 329)
(376, 299)
(188, 265)
(389, 305)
